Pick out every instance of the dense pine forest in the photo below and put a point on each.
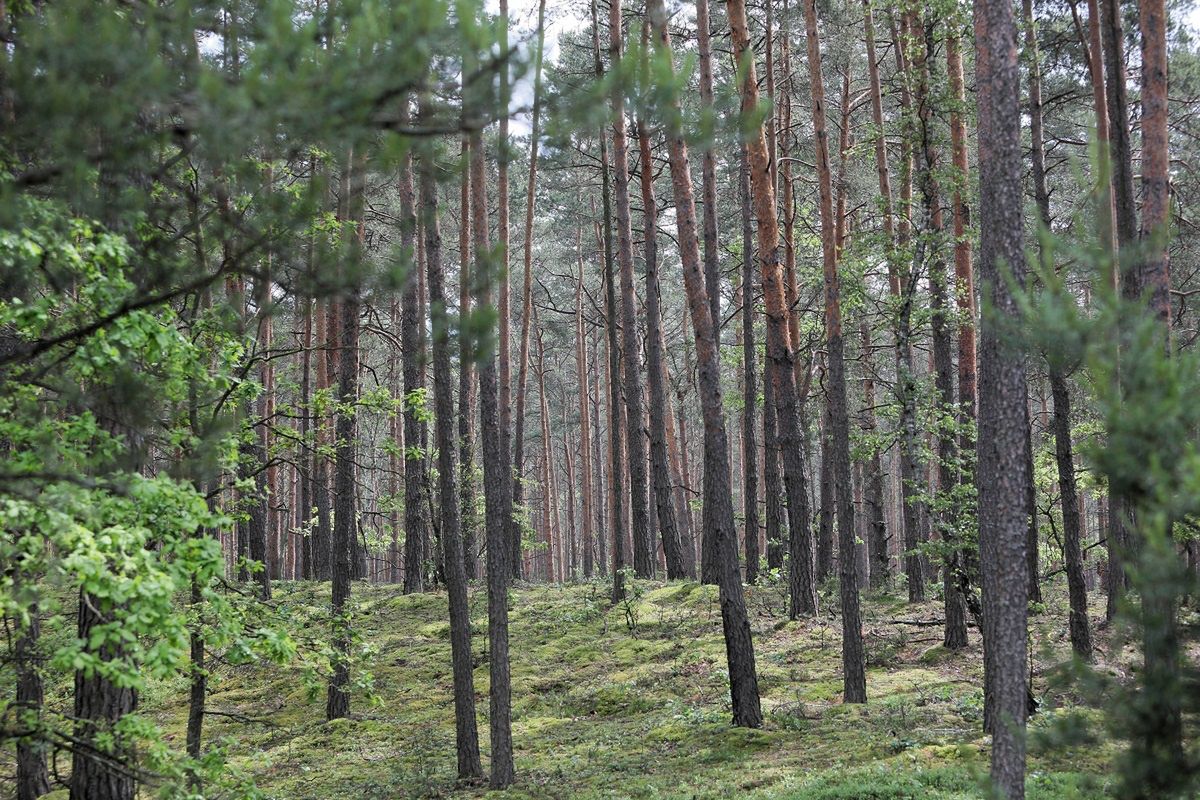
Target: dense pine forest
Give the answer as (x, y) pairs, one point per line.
(599, 398)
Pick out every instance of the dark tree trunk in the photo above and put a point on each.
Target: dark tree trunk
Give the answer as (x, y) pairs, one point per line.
(772, 482)
(853, 660)
(497, 489)
(635, 445)
(828, 509)
(33, 778)
(466, 734)
(304, 468)
(660, 467)
(1003, 414)
(708, 209)
(416, 529)
(718, 501)
(1080, 628)
(101, 764)
(955, 631)
(252, 460)
(878, 564)
(338, 702)
(322, 534)
(585, 430)
(616, 479)
(903, 283)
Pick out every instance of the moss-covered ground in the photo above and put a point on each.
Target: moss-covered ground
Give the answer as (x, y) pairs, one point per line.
(632, 701)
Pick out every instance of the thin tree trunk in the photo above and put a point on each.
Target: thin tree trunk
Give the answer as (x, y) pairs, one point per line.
(598, 470)
(708, 207)
(718, 502)
(345, 489)
(33, 777)
(504, 295)
(631, 380)
(955, 629)
(497, 489)
(659, 407)
(416, 531)
(749, 383)
(466, 734)
(616, 479)
(879, 565)
(585, 432)
(552, 562)
(466, 379)
(1003, 415)
(1079, 626)
(912, 470)
(526, 295)
(853, 659)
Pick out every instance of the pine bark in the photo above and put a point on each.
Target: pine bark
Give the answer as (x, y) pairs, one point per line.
(659, 407)
(99, 705)
(616, 469)
(1003, 414)
(853, 659)
(585, 431)
(466, 733)
(526, 290)
(416, 530)
(749, 380)
(631, 379)
(33, 777)
(466, 377)
(718, 501)
(497, 488)
(344, 491)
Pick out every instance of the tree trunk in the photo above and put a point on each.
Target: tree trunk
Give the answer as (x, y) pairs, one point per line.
(659, 407)
(853, 659)
(466, 734)
(1003, 415)
(345, 485)
(749, 383)
(955, 631)
(1080, 628)
(322, 533)
(416, 531)
(616, 479)
(828, 510)
(718, 502)
(466, 379)
(99, 706)
(635, 446)
(526, 298)
(33, 778)
(585, 432)
(504, 295)
(497, 487)
(878, 563)
(803, 593)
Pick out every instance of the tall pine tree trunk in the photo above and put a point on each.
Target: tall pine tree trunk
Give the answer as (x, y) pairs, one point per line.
(1003, 415)
(853, 659)
(718, 501)
(466, 734)
(659, 408)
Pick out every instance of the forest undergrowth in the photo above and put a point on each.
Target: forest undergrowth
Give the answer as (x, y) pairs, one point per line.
(632, 700)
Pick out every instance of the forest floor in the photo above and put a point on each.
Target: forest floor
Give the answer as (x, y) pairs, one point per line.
(632, 701)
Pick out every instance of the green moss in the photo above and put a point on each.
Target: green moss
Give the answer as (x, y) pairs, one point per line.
(599, 712)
